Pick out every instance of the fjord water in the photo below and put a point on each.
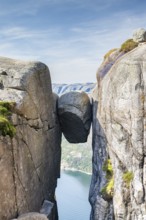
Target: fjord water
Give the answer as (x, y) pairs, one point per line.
(72, 196)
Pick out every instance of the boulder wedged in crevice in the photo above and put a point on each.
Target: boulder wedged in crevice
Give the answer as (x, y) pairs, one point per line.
(74, 110)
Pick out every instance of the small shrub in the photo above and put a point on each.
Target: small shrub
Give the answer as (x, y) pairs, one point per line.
(6, 127)
(128, 45)
(109, 53)
(128, 177)
(107, 190)
(8, 105)
(107, 167)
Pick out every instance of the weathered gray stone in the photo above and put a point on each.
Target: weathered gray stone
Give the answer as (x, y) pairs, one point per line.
(46, 208)
(101, 209)
(74, 111)
(30, 161)
(121, 113)
(107, 63)
(139, 35)
(32, 216)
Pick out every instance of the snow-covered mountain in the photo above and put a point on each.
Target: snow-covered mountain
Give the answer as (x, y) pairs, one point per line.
(63, 88)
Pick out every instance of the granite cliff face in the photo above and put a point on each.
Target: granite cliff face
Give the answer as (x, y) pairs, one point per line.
(101, 208)
(122, 115)
(119, 139)
(30, 160)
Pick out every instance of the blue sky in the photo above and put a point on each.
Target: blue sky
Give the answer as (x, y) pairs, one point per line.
(70, 36)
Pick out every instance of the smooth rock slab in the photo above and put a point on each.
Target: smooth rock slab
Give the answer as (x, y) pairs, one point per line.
(32, 216)
(74, 111)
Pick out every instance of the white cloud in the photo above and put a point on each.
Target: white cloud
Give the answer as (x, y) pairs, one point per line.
(73, 54)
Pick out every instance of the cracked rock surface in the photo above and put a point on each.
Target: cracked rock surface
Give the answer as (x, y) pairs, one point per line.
(74, 110)
(30, 161)
(121, 113)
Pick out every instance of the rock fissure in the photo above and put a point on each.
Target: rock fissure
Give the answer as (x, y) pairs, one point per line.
(23, 187)
(15, 186)
(32, 159)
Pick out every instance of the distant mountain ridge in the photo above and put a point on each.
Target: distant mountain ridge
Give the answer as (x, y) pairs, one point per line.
(63, 88)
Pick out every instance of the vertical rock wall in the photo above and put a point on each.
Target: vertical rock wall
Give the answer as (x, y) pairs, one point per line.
(121, 114)
(30, 161)
(101, 208)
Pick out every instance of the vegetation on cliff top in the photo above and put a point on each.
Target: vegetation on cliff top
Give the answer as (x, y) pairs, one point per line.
(107, 190)
(128, 45)
(6, 127)
(109, 53)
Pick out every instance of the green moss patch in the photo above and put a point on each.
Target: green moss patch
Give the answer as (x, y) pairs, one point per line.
(6, 127)
(128, 45)
(128, 177)
(108, 189)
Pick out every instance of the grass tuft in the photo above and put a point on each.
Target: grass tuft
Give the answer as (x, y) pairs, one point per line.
(128, 177)
(6, 127)
(108, 189)
(109, 53)
(128, 45)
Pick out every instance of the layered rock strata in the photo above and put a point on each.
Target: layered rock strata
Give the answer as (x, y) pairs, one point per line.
(29, 161)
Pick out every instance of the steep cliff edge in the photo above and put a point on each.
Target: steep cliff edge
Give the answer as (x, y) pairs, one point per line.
(121, 112)
(30, 158)
(118, 184)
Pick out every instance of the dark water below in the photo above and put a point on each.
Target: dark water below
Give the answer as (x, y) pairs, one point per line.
(72, 196)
